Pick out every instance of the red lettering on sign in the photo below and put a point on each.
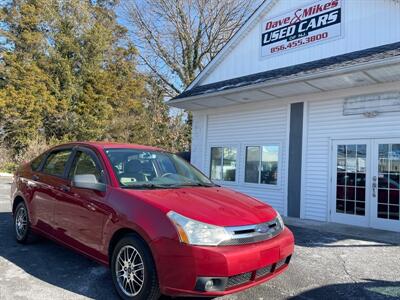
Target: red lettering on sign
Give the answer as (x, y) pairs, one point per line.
(303, 13)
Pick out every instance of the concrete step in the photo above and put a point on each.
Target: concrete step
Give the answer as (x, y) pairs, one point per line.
(389, 237)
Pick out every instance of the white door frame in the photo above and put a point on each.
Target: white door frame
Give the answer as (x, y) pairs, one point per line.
(386, 224)
(350, 218)
(371, 196)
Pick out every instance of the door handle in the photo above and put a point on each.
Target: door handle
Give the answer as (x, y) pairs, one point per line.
(91, 206)
(35, 177)
(65, 188)
(374, 189)
(374, 186)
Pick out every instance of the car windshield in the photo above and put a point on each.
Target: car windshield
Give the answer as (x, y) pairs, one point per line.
(153, 169)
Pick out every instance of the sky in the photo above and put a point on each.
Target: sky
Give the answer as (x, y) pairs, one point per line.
(122, 19)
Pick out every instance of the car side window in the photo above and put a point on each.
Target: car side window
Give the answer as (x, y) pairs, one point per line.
(86, 168)
(56, 162)
(35, 164)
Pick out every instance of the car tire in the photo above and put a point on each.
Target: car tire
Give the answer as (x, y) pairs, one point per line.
(22, 227)
(133, 270)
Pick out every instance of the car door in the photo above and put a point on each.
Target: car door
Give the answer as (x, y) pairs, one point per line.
(48, 184)
(80, 213)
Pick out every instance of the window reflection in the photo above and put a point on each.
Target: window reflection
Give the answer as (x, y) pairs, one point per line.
(262, 164)
(269, 165)
(252, 164)
(350, 180)
(216, 163)
(389, 181)
(223, 163)
(229, 164)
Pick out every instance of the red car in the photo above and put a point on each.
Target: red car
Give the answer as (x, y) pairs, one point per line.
(160, 224)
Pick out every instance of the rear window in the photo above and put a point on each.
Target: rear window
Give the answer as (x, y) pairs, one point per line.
(56, 162)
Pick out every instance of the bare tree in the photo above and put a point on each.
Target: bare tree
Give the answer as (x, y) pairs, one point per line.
(177, 38)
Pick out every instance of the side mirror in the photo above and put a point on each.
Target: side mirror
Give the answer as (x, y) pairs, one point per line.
(89, 182)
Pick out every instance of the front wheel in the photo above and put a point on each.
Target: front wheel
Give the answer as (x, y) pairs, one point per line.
(133, 271)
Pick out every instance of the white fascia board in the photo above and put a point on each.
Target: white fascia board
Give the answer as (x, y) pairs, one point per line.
(342, 70)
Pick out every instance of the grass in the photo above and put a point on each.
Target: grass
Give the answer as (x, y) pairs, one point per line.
(8, 167)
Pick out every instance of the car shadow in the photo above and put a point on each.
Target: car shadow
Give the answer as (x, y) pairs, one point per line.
(370, 289)
(68, 270)
(54, 264)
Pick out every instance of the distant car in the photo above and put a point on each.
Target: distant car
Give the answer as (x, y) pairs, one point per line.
(154, 219)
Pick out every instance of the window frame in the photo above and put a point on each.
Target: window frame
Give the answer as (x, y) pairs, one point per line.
(67, 164)
(93, 155)
(237, 171)
(39, 168)
(278, 184)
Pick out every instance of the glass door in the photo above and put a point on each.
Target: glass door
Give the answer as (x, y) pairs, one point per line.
(351, 182)
(386, 185)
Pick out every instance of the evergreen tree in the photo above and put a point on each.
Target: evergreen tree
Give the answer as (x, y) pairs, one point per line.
(67, 72)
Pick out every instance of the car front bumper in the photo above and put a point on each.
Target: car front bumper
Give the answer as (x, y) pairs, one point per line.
(184, 269)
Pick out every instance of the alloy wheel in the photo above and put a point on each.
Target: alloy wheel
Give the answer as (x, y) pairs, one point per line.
(129, 270)
(21, 222)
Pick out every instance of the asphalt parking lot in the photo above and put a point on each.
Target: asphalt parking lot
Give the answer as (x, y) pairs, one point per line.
(325, 266)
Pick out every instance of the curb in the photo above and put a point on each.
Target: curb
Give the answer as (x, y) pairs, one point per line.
(364, 233)
(6, 175)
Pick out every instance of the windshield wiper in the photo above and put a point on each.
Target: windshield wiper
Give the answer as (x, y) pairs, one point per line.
(148, 186)
(196, 184)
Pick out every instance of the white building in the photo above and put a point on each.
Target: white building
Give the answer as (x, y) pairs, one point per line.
(301, 109)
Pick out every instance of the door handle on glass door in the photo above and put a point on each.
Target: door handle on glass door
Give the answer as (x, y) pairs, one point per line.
(374, 185)
(374, 189)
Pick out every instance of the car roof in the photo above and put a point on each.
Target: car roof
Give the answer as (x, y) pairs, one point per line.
(108, 145)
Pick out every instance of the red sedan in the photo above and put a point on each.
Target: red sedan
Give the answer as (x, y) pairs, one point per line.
(160, 224)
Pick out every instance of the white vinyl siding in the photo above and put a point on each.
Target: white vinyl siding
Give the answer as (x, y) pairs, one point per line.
(240, 126)
(199, 131)
(366, 24)
(326, 122)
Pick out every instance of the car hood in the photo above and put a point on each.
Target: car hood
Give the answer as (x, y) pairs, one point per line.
(212, 205)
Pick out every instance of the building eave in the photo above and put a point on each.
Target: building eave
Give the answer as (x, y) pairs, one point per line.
(342, 64)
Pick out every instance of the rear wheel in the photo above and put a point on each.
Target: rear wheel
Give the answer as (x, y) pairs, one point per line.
(21, 223)
(133, 270)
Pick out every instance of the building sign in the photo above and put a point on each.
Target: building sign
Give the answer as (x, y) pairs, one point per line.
(371, 105)
(307, 25)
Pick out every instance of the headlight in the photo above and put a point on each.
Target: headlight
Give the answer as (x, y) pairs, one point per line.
(197, 233)
(280, 220)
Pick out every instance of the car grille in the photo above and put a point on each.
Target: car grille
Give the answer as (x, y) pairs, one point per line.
(263, 271)
(280, 263)
(252, 233)
(237, 280)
